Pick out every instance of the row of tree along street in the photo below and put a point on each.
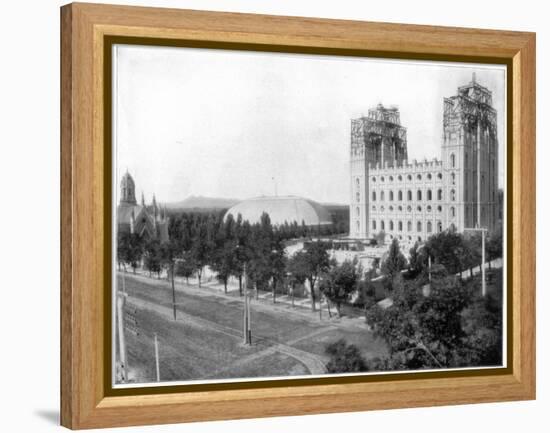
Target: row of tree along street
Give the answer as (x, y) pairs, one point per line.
(453, 326)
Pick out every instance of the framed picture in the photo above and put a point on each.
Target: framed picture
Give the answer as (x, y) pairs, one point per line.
(269, 216)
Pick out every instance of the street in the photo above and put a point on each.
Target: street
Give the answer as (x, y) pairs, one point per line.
(206, 341)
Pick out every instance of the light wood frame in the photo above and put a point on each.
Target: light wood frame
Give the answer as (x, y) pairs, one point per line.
(85, 402)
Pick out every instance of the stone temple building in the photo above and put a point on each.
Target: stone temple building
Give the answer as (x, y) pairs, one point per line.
(149, 221)
(411, 200)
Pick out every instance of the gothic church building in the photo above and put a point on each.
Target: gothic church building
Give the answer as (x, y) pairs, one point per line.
(411, 201)
(149, 221)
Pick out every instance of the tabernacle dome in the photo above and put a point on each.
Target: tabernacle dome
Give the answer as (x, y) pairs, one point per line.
(281, 209)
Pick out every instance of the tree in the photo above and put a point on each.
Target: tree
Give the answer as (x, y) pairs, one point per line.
(297, 270)
(340, 282)
(344, 358)
(450, 250)
(494, 245)
(199, 250)
(224, 255)
(424, 331)
(185, 267)
(394, 262)
(168, 251)
(152, 257)
(242, 233)
(259, 249)
(316, 262)
(278, 260)
(418, 256)
(380, 238)
(129, 249)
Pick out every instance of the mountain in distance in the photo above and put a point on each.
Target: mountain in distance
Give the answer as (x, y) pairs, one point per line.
(200, 202)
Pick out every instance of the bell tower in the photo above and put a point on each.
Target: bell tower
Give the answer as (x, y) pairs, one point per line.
(127, 190)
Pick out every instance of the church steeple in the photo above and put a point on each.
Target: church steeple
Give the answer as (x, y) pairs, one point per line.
(142, 199)
(127, 190)
(155, 207)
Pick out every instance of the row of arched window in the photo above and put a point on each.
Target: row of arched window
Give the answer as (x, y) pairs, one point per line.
(452, 210)
(392, 196)
(409, 177)
(399, 226)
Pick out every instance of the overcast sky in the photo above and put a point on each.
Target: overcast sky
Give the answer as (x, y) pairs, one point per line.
(225, 124)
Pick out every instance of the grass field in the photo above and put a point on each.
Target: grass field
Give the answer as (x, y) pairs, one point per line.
(205, 342)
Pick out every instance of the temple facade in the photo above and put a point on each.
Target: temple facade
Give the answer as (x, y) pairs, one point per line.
(411, 200)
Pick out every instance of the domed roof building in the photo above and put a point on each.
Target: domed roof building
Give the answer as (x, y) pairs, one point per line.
(282, 209)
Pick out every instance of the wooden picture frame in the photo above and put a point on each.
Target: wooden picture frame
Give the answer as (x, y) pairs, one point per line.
(86, 398)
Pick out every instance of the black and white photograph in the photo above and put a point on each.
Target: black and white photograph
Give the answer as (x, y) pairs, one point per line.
(281, 215)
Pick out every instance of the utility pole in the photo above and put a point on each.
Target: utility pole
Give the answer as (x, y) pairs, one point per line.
(120, 300)
(483, 231)
(247, 334)
(173, 288)
(157, 357)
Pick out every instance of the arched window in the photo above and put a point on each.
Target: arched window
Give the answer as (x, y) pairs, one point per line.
(400, 195)
(452, 178)
(429, 194)
(400, 226)
(439, 227)
(429, 227)
(409, 209)
(409, 195)
(439, 176)
(391, 225)
(374, 196)
(399, 208)
(391, 178)
(399, 178)
(382, 225)
(357, 211)
(429, 176)
(439, 208)
(453, 195)
(382, 179)
(374, 224)
(409, 226)
(419, 226)
(391, 195)
(419, 176)
(391, 208)
(409, 177)
(440, 194)
(453, 160)
(381, 195)
(357, 182)
(453, 212)
(419, 208)
(357, 197)
(374, 179)
(419, 194)
(428, 208)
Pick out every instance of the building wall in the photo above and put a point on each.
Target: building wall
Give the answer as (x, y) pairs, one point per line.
(409, 201)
